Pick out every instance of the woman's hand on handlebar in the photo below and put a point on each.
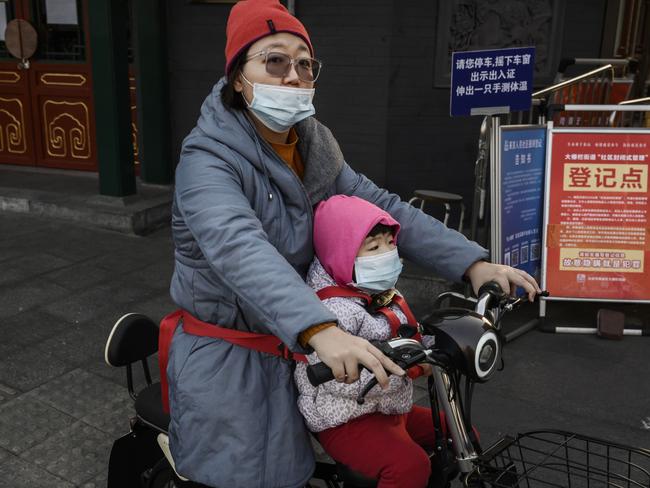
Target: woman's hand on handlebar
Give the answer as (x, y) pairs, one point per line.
(508, 278)
(343, 353)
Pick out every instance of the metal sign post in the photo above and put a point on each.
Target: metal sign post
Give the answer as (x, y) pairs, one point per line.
(480, 178)
(495, 192)
(489, 82)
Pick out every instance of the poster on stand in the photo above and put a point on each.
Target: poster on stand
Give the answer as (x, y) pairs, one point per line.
(597, 219)
(520, 173)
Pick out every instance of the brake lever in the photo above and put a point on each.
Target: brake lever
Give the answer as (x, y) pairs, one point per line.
(361, 397)
(511, 305)
(405, 361)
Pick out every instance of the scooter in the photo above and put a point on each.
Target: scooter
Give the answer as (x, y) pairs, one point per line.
(467, 350)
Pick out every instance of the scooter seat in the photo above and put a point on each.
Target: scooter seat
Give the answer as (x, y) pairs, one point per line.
(148, 407)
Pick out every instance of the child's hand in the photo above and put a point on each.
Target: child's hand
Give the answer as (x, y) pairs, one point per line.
(343, 353)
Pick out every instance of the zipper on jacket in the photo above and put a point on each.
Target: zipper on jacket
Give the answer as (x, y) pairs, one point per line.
(261, 143)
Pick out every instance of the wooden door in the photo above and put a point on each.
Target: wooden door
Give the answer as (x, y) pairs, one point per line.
(55, 92)
(17, 145)
(61, 85)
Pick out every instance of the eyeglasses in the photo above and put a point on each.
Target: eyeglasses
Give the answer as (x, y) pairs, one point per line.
(278, 65)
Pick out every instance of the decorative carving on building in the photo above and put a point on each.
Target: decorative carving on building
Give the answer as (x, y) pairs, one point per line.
(134, 140)
(134, 120)
(12, 123)
(9, 77)
(472, 25)
(67, 129)
(63, 79)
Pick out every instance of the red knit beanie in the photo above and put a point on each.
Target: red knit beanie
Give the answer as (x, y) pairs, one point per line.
(251, 20)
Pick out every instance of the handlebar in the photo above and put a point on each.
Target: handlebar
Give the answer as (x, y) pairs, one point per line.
(492, 296)
(407, 352)
(320, 373)
(493, 289)
(404, 352)
(463, 343)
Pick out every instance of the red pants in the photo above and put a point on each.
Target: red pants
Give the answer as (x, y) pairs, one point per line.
(390, 448)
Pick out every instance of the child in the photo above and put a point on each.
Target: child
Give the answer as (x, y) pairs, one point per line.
(386, 437)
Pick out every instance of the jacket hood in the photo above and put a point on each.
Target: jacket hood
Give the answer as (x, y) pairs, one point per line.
(341, 224)
(319, 150)
(230, 127)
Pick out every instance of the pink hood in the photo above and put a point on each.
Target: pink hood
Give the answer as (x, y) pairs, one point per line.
(341, 224)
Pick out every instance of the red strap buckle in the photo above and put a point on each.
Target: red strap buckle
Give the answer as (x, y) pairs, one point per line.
(285, 352)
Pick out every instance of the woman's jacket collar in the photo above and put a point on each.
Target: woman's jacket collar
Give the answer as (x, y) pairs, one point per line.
(318, 149)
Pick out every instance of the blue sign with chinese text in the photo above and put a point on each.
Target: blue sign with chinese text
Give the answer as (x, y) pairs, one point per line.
(491, 82)
(523, 159)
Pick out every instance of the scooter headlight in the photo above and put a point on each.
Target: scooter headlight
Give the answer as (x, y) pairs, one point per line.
(468, 339)
(486, 355)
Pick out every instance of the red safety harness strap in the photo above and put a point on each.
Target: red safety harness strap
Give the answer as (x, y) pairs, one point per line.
(406, 310)
(167, 328)
(341, 291)
(265, 343)
(393, 319)
(250, 340)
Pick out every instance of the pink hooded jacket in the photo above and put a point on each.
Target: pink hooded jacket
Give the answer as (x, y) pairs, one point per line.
(341, 224)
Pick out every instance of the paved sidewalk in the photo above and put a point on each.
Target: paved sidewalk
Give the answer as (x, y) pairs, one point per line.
(63, 285)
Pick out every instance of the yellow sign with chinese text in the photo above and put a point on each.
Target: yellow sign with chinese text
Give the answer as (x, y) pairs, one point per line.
(611, 260)
(606, 177)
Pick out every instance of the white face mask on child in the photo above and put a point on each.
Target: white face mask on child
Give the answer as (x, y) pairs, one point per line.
(379, 272)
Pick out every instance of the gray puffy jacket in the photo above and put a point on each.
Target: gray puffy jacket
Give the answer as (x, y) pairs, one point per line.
(242, 229)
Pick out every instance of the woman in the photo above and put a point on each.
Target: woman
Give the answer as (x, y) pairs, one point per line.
(249, 174)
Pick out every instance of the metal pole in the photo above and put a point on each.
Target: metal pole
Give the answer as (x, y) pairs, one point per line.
(644, 68)
(495, 192)
(462, 445)
(521, 330)
(478, 205)
(605, 108)
(574, 80)
(636, 100)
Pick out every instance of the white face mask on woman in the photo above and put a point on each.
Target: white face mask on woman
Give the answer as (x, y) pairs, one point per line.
(280, 107)
(379, 272)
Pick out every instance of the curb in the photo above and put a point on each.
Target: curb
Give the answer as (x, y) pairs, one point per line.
(132, 215)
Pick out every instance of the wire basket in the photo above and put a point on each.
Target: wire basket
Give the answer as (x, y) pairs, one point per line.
(560, 459)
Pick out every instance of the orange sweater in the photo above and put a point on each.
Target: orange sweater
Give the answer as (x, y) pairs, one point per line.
(289, 153)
